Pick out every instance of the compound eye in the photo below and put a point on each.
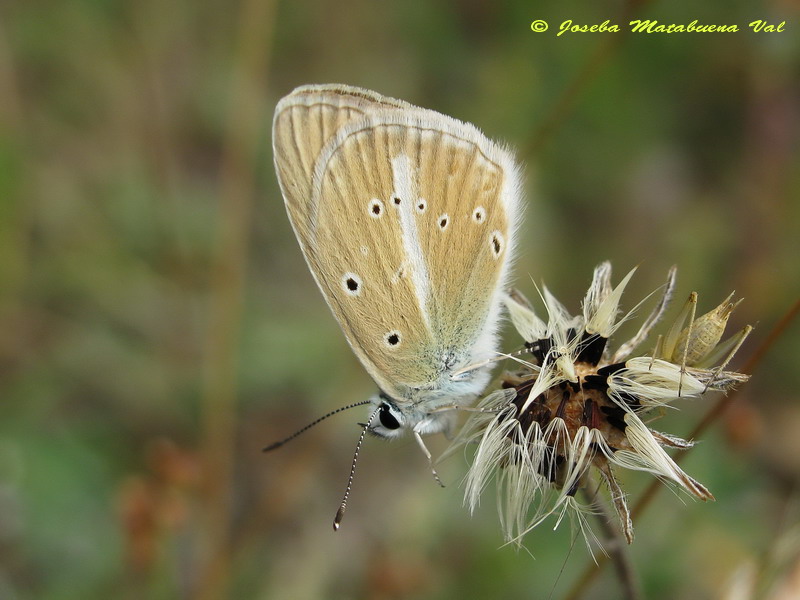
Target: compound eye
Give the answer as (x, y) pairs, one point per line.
(386, 417)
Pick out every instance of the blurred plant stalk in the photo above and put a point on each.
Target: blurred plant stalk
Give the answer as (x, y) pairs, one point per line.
(247, 109)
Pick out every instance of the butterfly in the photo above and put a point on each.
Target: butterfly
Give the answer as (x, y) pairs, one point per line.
(407, 219)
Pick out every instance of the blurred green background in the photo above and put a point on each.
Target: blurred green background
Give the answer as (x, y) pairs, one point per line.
(158, 324)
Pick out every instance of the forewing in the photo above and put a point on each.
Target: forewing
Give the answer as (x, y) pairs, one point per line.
(411, 222)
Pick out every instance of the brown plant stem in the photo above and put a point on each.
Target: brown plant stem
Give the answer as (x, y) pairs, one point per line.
(617, 548)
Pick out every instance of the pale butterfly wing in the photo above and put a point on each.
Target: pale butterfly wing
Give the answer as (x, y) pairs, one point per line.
(305, 121)
(407, 221)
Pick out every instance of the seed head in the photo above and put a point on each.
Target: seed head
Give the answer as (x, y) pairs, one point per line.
(575, 411)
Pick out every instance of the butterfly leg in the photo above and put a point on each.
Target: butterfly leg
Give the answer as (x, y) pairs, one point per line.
(428, 455)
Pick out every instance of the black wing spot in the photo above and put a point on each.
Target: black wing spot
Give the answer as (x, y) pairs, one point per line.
(351, 284)
(497, 243)
(444, 221)
(479, 215)
(392, 339)
(375, 208)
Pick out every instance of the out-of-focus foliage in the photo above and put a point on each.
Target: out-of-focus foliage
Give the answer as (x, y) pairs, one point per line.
(158, 325)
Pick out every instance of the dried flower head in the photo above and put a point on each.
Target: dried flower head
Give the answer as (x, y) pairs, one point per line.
(576, 405)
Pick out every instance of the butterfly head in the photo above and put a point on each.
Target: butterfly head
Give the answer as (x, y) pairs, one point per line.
(394, 419)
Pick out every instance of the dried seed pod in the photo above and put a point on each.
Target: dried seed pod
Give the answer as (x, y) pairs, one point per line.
(702, 335)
